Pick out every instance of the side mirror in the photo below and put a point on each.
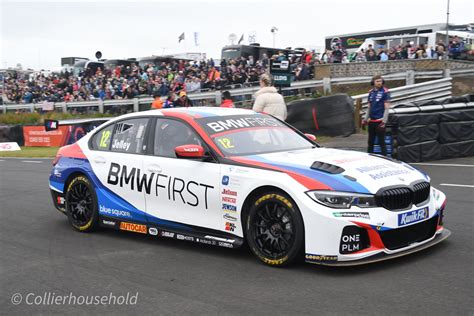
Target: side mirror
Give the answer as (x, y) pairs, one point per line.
(311, 137)
(190, 151)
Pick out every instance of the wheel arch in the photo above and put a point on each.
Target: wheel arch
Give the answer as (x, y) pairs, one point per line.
(73, 175)
(253, 194)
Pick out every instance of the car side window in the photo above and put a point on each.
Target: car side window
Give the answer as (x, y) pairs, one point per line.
(102, 139)
(129, 136)
(172, 133)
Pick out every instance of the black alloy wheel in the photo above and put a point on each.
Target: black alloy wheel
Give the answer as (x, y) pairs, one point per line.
(274, 229)
(81, 204)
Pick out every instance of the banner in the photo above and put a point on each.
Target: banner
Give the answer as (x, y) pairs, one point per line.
(10, 146)
(37, 136)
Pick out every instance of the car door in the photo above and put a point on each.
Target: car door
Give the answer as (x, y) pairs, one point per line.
(184, 190)
(116, 160)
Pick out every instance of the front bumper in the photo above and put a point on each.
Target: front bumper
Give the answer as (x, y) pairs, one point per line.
(440, 235)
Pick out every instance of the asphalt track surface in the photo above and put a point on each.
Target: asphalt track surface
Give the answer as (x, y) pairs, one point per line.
(40, 253)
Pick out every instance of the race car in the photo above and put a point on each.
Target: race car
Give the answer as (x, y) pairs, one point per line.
(226, 177)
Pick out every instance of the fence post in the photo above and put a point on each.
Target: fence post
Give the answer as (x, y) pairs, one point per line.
(218, 98)
(101, 106)
(136, 105)
(4, 108)
(64, 107)
(357, 109)
(327, 85)
(410, 77)
(32, 108)
(446, 73)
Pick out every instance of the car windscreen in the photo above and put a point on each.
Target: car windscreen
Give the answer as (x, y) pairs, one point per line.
(240, 135)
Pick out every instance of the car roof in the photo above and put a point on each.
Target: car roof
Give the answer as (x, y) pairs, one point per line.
(191, 112)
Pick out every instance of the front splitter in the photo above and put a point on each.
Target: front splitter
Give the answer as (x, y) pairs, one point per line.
(384, 256)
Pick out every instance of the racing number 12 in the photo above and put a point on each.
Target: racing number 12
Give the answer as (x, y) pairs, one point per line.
(225, 142)
(104, 138)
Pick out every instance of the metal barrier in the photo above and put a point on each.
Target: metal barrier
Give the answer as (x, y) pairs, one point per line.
(433, 89)
(430, 90)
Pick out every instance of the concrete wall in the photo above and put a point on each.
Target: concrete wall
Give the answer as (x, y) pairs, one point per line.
(395, 66)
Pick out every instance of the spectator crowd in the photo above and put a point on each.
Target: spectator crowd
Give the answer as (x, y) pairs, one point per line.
(169, 79)
(405, 51)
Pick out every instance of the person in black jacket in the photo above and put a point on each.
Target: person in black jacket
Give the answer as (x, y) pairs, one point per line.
(183, 100)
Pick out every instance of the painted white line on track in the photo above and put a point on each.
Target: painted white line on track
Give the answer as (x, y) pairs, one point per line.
(457, 185)
(32, 161)
(442, 164)
(1, 160)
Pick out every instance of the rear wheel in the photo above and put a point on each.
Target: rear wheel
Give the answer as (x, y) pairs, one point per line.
(274, 229)
(81, 204)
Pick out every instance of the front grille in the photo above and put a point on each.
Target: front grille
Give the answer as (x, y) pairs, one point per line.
(396, 198)
(403, 197)
(421, 192)
(403, 237)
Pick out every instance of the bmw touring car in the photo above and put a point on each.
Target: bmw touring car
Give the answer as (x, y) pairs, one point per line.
(226, 177)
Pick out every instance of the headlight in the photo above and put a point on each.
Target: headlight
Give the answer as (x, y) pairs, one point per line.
(335, 199)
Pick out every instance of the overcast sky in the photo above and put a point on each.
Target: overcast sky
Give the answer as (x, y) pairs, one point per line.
(38, 33)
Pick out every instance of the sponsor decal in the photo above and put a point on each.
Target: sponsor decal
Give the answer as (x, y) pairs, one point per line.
(412, 216)
(166, 234)
(229, 192)
(137, 228)
(161, 185)
(215, 126)
(57, 173)
(153, 231)
(229, 199)
(219, 239)
(61, 200)
(229, 207)
(184, 237)
(113, 212)
(353, 238)
(108, 222)
(377, 172)
(229, 226)
(50, 125)
(365, 215)
(225, 244)
(319, 258)
(206, 242)
(230, 218)
(225, 180)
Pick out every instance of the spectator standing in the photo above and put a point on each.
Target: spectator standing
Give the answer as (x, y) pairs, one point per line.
(157, 103)
(169, 103)
(455, 48)
(377, 112)
(227, 100)
(183, 101)
(268, 100)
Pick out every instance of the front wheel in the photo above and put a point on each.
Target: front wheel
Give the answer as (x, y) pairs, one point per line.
(81, 204)
(274, 229)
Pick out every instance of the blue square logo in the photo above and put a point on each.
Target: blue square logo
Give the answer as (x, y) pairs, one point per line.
(225, 180)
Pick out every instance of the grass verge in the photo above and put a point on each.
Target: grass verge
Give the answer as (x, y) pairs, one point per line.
(32, 152)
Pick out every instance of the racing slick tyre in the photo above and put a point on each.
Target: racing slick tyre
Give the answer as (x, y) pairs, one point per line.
(274, 229)
(81, 205)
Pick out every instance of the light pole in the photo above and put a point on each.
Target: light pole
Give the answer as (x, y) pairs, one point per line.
(447, 30)
(274, 30)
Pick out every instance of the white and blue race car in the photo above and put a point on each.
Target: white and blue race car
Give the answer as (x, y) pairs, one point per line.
(227, 176)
